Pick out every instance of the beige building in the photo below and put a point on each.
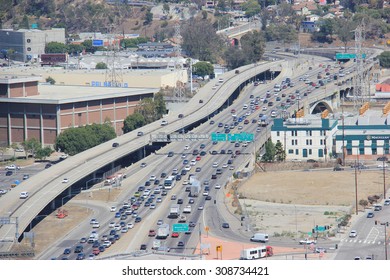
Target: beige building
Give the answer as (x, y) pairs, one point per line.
(140, 78)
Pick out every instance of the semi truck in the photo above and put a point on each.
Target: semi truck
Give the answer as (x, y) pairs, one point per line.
(263, 121)
(256, 253)
(174, 211)
(162, 231)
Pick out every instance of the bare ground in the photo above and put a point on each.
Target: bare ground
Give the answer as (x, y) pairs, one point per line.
(293, 202)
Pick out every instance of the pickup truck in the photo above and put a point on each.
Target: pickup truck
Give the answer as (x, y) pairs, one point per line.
(12, 167)
(307, 241)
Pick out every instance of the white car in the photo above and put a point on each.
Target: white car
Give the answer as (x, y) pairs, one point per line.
(205, 193)
(163, 123)
(63, 156)
(112, 209)
(111, 225)
(217, 186)
(183, 156)
(186, 147)
(96, 225)
(215, 164)
(193, 162)
(65, 180)
(225, 165)
(152, 178)
(187, 167)
(12, 167)
(124, 229)
(185, 182)
(383, 165)
(353, 233)
(130, 225)
(200, 207)
(107, 243)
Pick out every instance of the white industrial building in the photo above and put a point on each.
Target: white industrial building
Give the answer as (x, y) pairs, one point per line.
(305, 138)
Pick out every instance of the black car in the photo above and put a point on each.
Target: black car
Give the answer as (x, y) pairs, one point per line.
(8, 173)
(163, 175)
(180, 244)
(47, 165)
(180, 116)
(142, 247)
(78, 249)
(370, 215)
(382, 159)
(138, 219)
(203, 153)
(170, 154)
(208, 197)
(338, 168)
(114, 145)
(225, 225)
(180, 201)
(67, 251)
(178, 177)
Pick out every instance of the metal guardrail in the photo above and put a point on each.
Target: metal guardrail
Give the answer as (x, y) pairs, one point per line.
(14, 255)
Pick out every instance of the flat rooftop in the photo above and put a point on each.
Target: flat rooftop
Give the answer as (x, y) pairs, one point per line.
(60, 94)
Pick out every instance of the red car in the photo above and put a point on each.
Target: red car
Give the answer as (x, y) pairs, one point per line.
(152, 233)
(198, 158)
(175, 234)
(96, 251)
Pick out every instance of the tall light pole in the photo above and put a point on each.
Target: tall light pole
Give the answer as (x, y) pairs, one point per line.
(356, 195)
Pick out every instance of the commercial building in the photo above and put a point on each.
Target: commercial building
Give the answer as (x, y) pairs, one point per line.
(364, 137)
(43, 112)
(29, 44)
(305, 138)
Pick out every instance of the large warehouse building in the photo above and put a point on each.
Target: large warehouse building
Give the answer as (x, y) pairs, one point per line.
(42, 112)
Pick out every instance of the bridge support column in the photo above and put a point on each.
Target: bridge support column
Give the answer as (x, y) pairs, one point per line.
(53, 205)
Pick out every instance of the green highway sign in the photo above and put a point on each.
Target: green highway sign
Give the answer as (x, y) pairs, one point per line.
(348, 55)
(218, 137)
(180, 228)
(243, 136)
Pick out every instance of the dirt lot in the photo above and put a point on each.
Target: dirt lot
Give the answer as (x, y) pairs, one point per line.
(291, 202)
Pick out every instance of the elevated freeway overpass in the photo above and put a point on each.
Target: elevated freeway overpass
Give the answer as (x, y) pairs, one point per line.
(46, 187)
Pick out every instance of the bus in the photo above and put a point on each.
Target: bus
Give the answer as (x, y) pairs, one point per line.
(169, 182)
(256, 253)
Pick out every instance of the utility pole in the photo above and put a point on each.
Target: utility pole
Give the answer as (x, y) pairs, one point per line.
(178, 89)
(356, 195)
(384, 179)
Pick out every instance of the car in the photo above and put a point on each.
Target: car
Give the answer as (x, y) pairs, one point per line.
(143, 164)
(212, 122)
(80, 256)
(67, 251)
(383, 158)
(200, 207)
(152, 233)
(130, 225)
(386, 202)
(170, 154)
(208, 197)
(160, 222)
(307, 241)
(225, 225)
(319, 250)
(353, 233)
(383, 165)
(338, 168)
(63, 156)
(78, 249)
(83, 240)
(205, 193)
(143, 247)
(107, 243)
(65, 180)
(115, 144)
(137, 219)
(370, 215)
(164, 122)
(23, 195)
(180, 244)
(12, 167)
(26, 176)
(180, 116)
(140, 133)
(180, 201)
(8, 173)
(198, 169)
(175, 235)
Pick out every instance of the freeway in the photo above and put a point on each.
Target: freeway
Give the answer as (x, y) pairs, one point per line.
(209, 215)
(43, 189)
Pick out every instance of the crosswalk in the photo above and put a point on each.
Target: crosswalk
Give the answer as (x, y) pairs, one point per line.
(361, 241)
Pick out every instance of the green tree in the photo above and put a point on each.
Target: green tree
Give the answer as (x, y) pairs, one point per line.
(269, 155)
(279, 152)
(31, 146)
(50, 80)
(384, 59)
(344, 31)
(148, 17)
(203, 68)
(56, 47)
(77, 139)
(235, 57)
(147, 108)
(43, 153)
(253, 45)
(101, 65)
(251, 8)
(25, 24)
(200, 40)
(133, 122)
(166, 8)
(363, 203)
(160, 106)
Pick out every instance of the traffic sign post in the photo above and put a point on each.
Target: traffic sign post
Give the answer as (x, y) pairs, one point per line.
(222, 137)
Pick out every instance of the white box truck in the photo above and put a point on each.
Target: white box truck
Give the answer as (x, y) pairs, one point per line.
(174, 213)
(187, 209)
(260, 237)
(162, 231)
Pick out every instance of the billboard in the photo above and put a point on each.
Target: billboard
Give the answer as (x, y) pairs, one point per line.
(97, 43)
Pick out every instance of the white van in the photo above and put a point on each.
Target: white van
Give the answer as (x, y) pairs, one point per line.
(260, 237)
(23, 195)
